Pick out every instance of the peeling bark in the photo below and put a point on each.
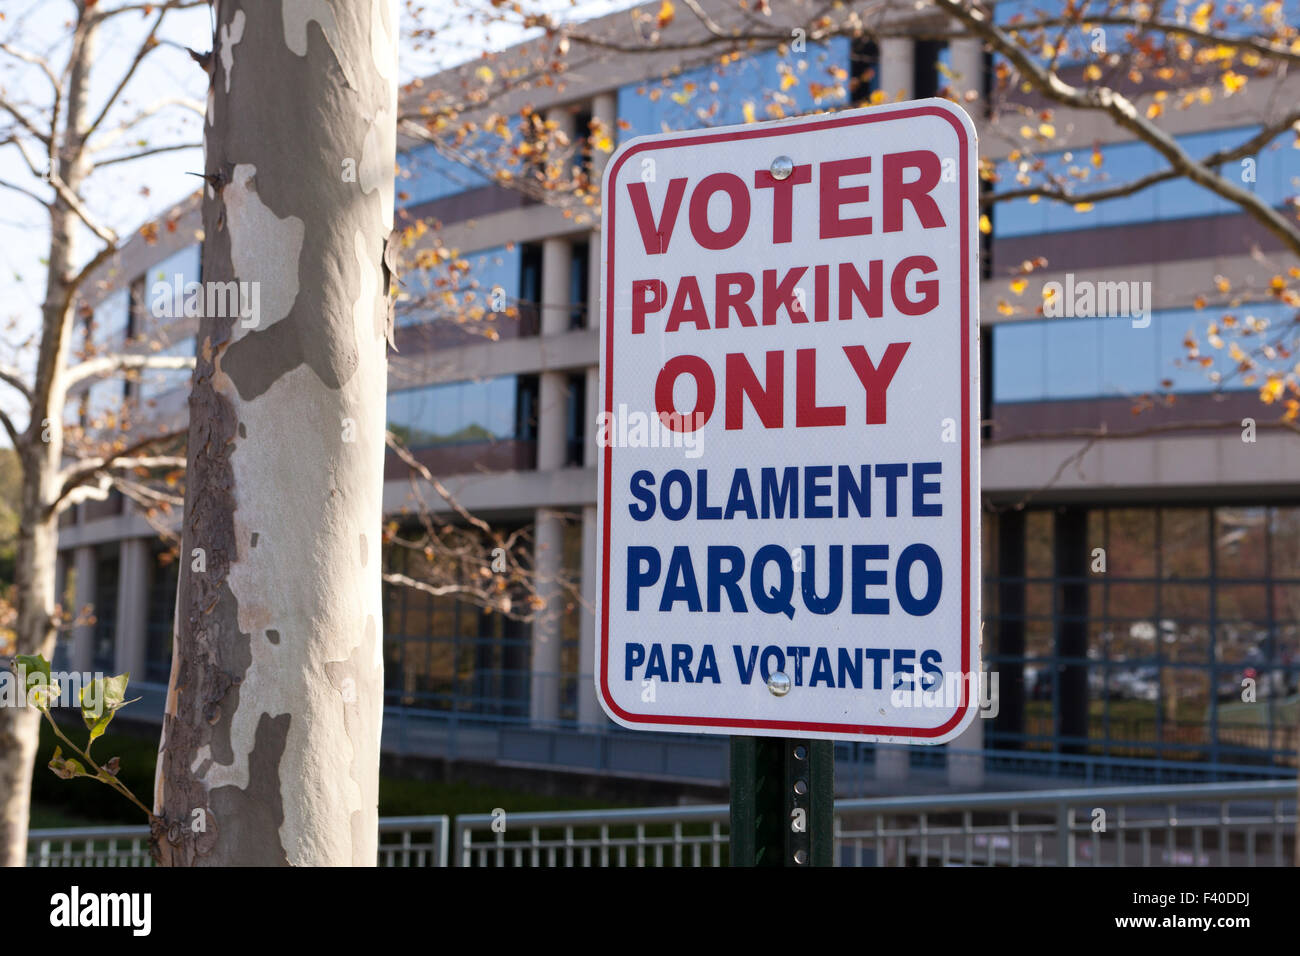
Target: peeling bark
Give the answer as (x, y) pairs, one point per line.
(270, 746)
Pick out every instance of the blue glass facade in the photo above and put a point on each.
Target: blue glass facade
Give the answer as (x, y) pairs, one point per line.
(462, 412)
(489, 269)
(714, 95)
(426, 175)
(1276, 176)
(1062, 358)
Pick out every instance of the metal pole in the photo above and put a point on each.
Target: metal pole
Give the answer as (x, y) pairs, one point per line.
(782, 802)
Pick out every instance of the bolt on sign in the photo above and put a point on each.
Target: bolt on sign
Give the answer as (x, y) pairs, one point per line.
(789, 445)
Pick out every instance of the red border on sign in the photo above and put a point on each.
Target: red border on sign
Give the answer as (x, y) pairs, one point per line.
(794, 725)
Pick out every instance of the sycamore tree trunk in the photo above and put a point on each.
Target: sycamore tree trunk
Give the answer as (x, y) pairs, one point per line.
(270, 745)
(40, 450)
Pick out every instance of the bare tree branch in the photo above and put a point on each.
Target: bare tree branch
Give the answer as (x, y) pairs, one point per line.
(99, 164)
(12, 377)
(108, 364)
(1122, 110)
(1249, 147)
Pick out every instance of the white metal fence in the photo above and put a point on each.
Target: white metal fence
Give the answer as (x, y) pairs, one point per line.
(403, 841)
(1237, 824)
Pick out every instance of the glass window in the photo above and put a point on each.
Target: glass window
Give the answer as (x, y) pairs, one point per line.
(1285, 541)
(469, 293)
(1064, 358)
(457, 412)
(112, 317)
(1124, 162)
(425, 174)
(1131, 601)
(1039, 532)
(1018, 367)
(1131, 540)
(1185, 543)
(156, 382)
(1240, 542)
(165, 286)
(1129, 357)
(714, 95)
(1073, 358)
(1185, 601)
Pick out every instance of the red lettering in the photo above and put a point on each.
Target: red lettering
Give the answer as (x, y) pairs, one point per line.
(875, 381)
(870, 294)
(767, 399)
(833, 195)
(782, 197)
(654, 235)
(726, 300)
(688, 306)
(821, 293)
(916, 192)
(705, 392)
(928, 288)
(807, 413)
(777, 294)
(643, 305)
(734, 187)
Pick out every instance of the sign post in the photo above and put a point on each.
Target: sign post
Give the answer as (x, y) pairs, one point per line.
(788, 487)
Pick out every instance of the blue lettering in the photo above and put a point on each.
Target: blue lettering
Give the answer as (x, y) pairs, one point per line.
(633, 656)
(774, 502)
(641, 482)
(891, 474)
(862, 578)
(859, 491)
(813, 489)
(676, 476)
(729, 580)
(918, 607)
(921, 488)
(702, 509)
(638, 579)
(822, 668)
(829, 603)
(741, 496)
(680, 570)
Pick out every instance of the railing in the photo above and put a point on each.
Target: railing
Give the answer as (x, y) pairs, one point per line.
(606, 748)
(1222, 824)
(1215, 824)
(403, 841)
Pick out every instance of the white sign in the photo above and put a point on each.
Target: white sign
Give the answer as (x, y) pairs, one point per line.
(789, 462)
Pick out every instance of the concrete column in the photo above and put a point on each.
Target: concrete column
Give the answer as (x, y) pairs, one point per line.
(594, 258)
(967, 57)
(548, 556)
(897, 55)
(557, 259)
(589, 713)
(83, 637)
(557, 256)
(604, 107)
(132, 605)
(552, 401)
(591, 454)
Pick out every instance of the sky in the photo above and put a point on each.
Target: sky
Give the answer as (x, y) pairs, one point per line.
(127, 195)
